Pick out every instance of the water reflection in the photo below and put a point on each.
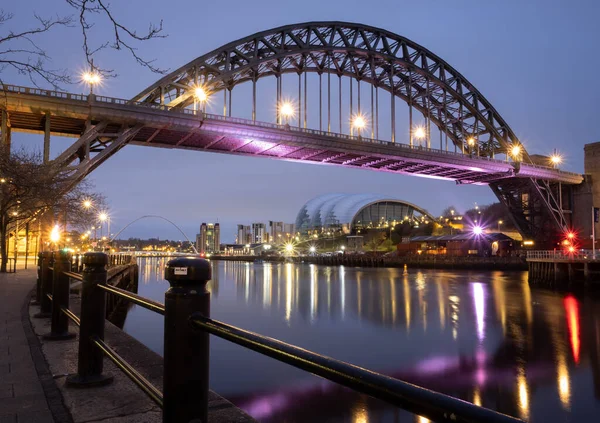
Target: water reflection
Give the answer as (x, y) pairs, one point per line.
(486, 337)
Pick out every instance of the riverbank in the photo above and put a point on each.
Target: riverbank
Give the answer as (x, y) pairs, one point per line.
(422, 262)
(121, 401)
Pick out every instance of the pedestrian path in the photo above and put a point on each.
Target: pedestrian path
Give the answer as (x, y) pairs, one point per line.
(22, 398)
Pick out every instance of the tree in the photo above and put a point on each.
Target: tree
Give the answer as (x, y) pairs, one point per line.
(449, 211)
(20, 51)
(30, 188)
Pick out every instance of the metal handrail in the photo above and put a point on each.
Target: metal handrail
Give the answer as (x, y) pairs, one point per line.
(149, 389)
(563, 255)
(146, 303)
(430, 404)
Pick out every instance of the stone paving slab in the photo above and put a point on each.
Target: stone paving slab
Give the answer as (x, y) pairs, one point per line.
(22, 397)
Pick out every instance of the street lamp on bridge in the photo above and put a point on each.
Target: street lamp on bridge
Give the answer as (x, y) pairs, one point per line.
(358, 122)
(92, 78)
(515, 152)
(420, 133)
(200, 96)
(286, 109)
(555, 159)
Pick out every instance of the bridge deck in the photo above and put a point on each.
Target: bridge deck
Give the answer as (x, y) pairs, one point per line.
(185, 129)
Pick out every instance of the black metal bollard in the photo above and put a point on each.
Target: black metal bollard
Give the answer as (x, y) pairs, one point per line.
(60, 298)
(90, 362)
(186, 351)
(45, 286)
(38, 284)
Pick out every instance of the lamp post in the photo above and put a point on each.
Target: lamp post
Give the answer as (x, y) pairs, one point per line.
(102, 217)
(55, 235)
(15, 214)
(499, 223)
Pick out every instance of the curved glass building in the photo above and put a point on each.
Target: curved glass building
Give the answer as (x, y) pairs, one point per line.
(350, 212)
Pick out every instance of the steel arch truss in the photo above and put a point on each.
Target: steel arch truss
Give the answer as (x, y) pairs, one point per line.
(375, 56)
(535, 206)
(99, 142)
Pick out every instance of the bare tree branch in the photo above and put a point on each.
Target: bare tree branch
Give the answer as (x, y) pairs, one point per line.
(122, 39)
(20, 51)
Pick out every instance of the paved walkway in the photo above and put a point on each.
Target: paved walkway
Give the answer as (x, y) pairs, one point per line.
(22, 398)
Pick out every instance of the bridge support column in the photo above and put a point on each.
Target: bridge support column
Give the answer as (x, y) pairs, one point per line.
(5, 135)
(47, 138)
(571, 272)
(586, 272)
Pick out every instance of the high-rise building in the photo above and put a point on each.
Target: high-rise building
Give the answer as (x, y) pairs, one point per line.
(244, 234)
(259, 233)
(209, 238)
(280, 232)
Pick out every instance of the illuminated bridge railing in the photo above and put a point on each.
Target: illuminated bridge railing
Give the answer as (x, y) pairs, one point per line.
(248, 122)
(186, 354)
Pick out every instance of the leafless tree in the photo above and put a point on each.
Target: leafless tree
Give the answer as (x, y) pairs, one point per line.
(30, 189)
(20, 49)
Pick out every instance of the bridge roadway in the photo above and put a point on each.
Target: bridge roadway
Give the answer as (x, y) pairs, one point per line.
(72, 115)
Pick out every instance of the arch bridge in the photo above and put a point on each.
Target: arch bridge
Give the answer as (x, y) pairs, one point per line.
(334, 90)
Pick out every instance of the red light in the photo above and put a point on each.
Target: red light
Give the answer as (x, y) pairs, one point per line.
(570, 235)
(566, 242)
(571, 249)
(572, 309)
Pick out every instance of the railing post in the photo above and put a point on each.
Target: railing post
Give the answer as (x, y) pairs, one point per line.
(60, 298)
(46, 286)
(186, 351)
(38, 284)
(90, 362)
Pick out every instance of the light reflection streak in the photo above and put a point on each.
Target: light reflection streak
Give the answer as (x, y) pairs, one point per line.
(288, 292)
(572, 309)
(454, 306)
(267, 269)
(500, 299)
(393, 299)
(313, 294)
(477, 397)
(407, 302)
(527, 301)
(523, 395)
(421, 290)
(360, 415)
(343, 290)
(479, 299)
(441, 304)
(247, 283)
(564, 382)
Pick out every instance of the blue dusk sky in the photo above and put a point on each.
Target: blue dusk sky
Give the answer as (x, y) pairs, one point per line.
(536, 61)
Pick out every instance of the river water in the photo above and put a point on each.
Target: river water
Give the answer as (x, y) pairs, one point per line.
(485, 337)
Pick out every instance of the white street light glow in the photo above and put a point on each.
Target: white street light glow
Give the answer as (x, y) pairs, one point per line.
(420, 133)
